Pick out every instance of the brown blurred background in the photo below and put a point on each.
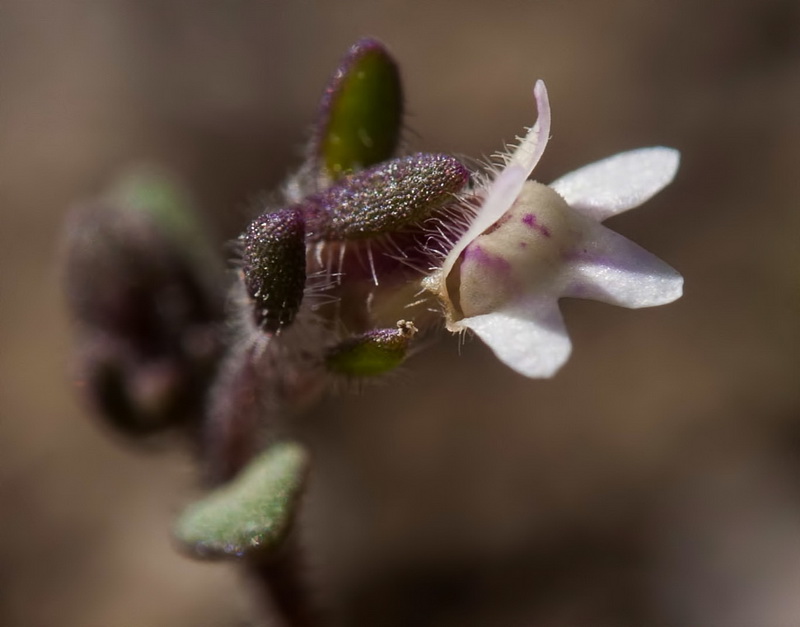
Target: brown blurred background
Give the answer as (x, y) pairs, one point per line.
(655, 481)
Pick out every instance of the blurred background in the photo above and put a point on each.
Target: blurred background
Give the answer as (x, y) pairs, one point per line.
(654, 481)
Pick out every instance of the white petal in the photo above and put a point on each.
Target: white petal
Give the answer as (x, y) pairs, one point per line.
(531, 148)
(508, 184)
(616, 184)
(611, 268)
(533, 342)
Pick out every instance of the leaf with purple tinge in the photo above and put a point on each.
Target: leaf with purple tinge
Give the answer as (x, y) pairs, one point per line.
(361, 112)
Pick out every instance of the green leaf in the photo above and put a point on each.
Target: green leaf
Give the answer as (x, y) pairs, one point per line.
(251, 514)
(361, 112)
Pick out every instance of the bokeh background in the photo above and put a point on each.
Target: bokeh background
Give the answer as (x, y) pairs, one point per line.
(654, 481)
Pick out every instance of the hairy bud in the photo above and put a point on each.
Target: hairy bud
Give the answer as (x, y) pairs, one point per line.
(141, 291)
(384, 199)
(275, 267)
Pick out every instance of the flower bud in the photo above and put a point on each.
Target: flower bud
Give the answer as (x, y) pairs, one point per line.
(275, 267)
(140, 286)
(384, 199)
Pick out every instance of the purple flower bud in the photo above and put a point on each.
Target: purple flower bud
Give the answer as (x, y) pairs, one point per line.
(147, 310)
(275, 267)
(384, 199)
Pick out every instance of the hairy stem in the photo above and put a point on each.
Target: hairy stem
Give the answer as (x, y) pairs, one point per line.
(282, 581)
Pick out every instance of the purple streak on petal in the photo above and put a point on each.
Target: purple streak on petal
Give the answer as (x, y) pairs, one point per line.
(477, 255)
(503, 219)
(501, 195)
(529, 220)
(503, 191)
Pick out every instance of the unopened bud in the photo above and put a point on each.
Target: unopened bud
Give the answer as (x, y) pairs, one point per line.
(141, 290)
(384, 199)
(275, 267)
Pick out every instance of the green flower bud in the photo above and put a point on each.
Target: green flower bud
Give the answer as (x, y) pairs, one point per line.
(373, 353)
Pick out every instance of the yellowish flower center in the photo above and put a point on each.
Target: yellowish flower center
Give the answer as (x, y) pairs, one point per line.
(519, 254)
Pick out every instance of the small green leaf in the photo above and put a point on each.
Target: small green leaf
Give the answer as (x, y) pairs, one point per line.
(361, 111)
(251, 514)
(373, 353)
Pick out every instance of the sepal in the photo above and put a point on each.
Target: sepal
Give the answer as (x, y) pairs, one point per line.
(384, 199)
(373, 353)
(274, 267)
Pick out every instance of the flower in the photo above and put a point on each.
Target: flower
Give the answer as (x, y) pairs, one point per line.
(529, 244)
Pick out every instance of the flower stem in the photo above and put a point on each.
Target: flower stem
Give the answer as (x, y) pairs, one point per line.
(281, 581)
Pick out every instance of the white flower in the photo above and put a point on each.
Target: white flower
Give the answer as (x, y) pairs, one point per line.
(530, 244)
